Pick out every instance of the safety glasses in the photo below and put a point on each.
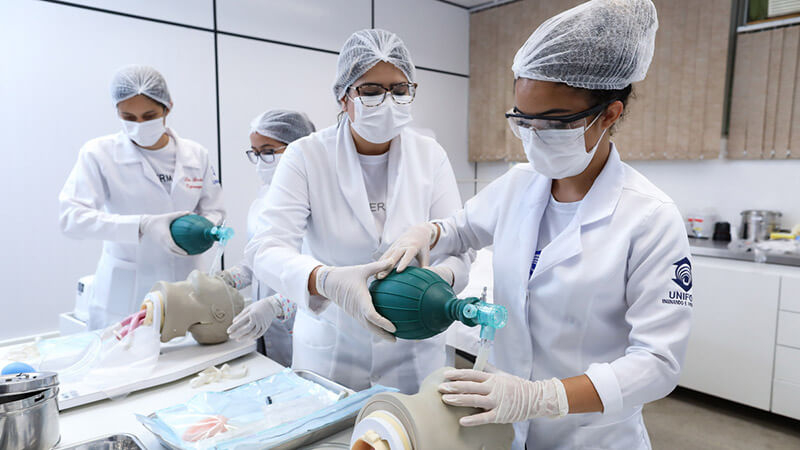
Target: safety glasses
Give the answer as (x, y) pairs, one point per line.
(540, 123)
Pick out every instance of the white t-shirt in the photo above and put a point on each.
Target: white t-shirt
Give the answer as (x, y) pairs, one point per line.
(376, 179)
(556, 217)
(163, 162)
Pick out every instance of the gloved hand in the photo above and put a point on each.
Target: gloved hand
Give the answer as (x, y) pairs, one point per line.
(226, 276)
(254, 320)
(505, 397)
(347, 287)
(414, 243)
(444, 272)
(157, 226)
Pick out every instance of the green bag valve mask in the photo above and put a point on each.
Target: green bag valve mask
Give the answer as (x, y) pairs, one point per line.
(196, 234)
(421, 304)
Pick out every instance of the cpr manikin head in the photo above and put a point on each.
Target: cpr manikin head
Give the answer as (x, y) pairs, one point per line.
(202, 305)
(394, 421)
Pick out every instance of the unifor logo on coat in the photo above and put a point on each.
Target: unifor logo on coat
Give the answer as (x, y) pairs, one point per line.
(683, 278)
(683, 274)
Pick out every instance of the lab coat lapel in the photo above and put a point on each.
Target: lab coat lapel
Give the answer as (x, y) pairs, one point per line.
(351, 178)
(599, 203)
(128, 153)
(397, 177)
(185, 159)
(531, 208)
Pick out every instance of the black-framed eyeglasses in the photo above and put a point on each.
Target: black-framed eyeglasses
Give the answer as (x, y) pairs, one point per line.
(264, 154)
(374, 94)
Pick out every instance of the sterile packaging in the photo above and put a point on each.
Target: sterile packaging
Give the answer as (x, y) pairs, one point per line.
(260, 414)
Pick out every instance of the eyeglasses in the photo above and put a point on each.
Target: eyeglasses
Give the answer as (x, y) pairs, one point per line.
(537, 123)
(374, 94)
(265, 154)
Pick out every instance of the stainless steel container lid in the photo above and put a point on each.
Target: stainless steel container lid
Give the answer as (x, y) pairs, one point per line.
(760, 212)
(23, 383)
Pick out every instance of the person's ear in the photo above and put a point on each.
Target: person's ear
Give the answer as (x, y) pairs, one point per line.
(611, 114)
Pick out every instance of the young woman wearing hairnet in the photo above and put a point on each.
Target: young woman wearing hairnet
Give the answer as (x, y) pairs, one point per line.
(128, 187)
(272, 315)
(351, 190)
(595, 272)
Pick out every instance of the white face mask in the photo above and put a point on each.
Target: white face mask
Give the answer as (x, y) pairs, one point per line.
(144, 134)
(564, 153)
(380, 123)
(267, 170)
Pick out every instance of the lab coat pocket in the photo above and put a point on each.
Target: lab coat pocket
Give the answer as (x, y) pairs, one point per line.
(625, 434)
(313, 342)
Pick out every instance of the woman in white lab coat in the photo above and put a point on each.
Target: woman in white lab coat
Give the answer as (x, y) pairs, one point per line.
(595, 273)
(128, 187)
(271, 315)
(350, 190)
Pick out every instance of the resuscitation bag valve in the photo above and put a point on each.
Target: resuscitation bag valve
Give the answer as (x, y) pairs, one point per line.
(421, 304)
(196, 234)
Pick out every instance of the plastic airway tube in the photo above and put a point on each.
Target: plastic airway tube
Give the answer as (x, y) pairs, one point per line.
(483, 354)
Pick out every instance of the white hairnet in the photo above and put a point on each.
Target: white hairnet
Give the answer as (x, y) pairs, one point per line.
(133, 80)
(600, 44)
(363, 50)
(282, 125)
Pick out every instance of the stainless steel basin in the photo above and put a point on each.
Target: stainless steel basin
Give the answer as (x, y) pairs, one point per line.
(113, 442)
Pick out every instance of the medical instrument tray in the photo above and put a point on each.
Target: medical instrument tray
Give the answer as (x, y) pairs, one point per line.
(312, 436)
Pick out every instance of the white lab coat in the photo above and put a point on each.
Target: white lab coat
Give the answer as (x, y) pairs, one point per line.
(318, 193)
(104, 197)
(278, 338)
(594, 303)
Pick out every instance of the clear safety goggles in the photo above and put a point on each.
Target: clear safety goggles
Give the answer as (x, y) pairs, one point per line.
(543, 126)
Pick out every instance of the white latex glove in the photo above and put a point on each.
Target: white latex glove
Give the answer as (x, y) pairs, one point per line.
(226, 276)
(347, 287)
(505, 397)
(444, 272)
(254, 320)
(416, 243)
(157, 226)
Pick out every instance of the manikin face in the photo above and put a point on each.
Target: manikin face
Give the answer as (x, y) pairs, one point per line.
(202, 305)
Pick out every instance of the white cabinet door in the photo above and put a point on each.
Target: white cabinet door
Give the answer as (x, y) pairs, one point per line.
(732, 346)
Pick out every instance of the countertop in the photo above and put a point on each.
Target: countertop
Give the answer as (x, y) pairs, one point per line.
(715, 249)
(117, 416)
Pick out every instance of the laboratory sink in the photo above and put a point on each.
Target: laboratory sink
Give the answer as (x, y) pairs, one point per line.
(113, 442)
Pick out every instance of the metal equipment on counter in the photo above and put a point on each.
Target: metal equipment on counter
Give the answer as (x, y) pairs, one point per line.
(28, 411)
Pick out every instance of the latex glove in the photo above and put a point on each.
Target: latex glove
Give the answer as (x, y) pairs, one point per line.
(157, 226)
(347, 287)
(505, 397)
(414, 243)
(226, 276)
(444, 272)
(254, 320)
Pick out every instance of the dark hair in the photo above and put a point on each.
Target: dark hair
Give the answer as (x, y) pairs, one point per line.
(598, 96)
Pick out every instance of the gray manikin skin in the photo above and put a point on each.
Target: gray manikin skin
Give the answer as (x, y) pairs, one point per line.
(202, 305)
(432, 425)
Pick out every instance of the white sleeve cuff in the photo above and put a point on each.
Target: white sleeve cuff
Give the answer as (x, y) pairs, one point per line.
(607, 386)
(295, 277)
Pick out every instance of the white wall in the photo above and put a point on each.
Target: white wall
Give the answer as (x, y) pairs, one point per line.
(57, 64)
(729, 187)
